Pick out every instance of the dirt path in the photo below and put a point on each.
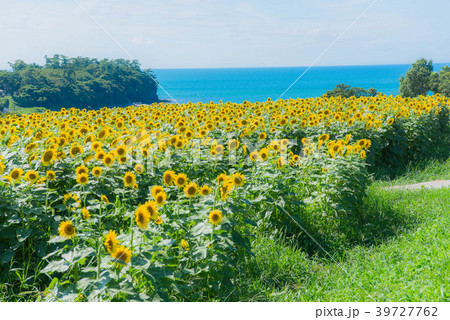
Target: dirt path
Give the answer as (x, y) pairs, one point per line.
(436, 184)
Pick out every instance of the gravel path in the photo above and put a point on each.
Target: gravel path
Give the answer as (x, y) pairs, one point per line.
(436, 184)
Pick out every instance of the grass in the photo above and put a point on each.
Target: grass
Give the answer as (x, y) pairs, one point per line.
(401, 253)
(14, 108)
(427, 171)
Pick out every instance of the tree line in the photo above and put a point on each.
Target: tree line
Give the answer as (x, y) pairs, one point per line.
(78, 82)
(420, 79)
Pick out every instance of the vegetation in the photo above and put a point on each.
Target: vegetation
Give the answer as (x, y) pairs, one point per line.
(391, 262)
(4, 104)
(174, 202)
(347, 91)
(420, 80)
(441, 81)
(417, 79)
(78, 82)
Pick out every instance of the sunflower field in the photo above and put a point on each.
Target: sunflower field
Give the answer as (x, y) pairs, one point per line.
(161, 201)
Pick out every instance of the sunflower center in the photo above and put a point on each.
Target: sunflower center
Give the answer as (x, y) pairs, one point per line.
(48, 156)
(191, 190)
(68, 229)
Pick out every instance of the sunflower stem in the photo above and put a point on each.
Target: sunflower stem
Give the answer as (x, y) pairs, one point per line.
(99, 258)
(131, 232)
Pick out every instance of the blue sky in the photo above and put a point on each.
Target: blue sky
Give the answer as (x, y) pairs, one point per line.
(227, 33)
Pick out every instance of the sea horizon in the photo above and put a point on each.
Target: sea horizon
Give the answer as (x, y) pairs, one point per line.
(238, 84)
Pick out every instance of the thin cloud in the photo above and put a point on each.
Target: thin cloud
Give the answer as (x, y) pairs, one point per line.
(214, 33)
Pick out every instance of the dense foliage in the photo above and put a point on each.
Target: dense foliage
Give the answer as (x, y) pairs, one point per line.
(78, 82)
(347, 91)
(161, 202)
(421, 79)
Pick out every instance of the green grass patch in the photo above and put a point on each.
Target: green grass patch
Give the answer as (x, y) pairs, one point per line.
(422, 172)
(400, 254)
(16, 109)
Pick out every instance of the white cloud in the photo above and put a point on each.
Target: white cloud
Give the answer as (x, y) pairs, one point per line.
(142, 39)
(219, 33)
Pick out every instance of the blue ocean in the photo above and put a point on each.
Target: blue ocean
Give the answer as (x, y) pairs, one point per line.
(258, 84)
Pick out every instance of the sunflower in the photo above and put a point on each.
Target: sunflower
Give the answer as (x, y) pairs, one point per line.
(16, 174)
(69, 196)
(100, 155)
(129, 179)
(180, 180)
(191, 190)
(104, 199)
(76, 149)
(254, 155)
(160, 198)
(97, 172)
(96, 145)
(121, 151)
(83, 179)
(226, 189)
(88, 158)
(222, 178)
(2, 167)
(85, 213)
(185, 244)
(169, 177)
(152, 209)
(111, 242)
(215, 217)
(31, 176)
(139, 168)
(233, 144)
(205, 190)
(280, 162)
(123, 159)
(219, 149)
(81, 170)
(363, 154)
(66, 229)
(284, 142)
(159, 221)
(108, 160)
(262, 136)
(123, 253)
(156, 189)
(324, 137)
(264, 154)
(238, 179)
(48, 157)
(142, 217)
(362, 143)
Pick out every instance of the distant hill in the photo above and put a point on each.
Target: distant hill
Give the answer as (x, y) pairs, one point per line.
(78, 82)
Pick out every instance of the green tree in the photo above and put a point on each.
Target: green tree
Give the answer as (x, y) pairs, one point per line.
(347, 91)
(79, 82)
(443, 83)
(417, 79)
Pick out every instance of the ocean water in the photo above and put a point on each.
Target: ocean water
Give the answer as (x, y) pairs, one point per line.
(258, 84)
